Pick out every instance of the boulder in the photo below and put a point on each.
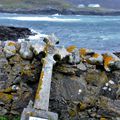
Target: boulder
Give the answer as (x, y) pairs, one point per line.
(9, 49)
(13, 33)
(25, 51)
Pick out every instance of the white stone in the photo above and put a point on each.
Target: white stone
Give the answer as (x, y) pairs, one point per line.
(111, 82)
(109, 89)
(104, 88)
(79, 91)
(106, 84)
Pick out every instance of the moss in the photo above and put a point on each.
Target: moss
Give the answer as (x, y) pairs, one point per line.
(6, 98)
(72, 113)
(82, 106)
(9, 118)
(9, 89)
(13, 51)
(71, 48)
(26, 70)
(103, 119)
(39, 85)
(3, 118)
(11, 43)
(102, 103)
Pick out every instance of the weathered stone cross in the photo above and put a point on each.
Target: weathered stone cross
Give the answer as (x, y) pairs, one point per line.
(39, 111)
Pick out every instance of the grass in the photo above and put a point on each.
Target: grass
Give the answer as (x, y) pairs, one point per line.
(7, 118)
(26, 4)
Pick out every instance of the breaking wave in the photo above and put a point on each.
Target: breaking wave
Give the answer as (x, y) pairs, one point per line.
(49, 19)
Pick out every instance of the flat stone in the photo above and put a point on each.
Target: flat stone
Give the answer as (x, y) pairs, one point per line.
(82, 67)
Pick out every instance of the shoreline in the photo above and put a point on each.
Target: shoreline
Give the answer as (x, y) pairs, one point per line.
(63, 12)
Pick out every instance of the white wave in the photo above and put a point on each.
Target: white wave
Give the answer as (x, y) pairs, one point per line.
(56, 14)
(105, 38)
(37, 35)
(50, 19)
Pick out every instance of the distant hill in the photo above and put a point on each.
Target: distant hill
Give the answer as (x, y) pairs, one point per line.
(33, 4)
(108, 7)
(111, 4)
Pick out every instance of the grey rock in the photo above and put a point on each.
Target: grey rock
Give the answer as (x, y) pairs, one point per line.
(51, 39)
(82, 67)
(74, 58)
(71, 88)
(3, 111)
(116, 65)
(25, 51)
(9, 49)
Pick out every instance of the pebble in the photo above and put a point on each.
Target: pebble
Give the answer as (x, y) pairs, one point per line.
(104, 88)
(79, 91)
(106, 84)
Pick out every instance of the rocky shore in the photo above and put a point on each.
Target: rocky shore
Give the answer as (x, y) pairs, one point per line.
(79, 90)
(13, 33)
(51, 11)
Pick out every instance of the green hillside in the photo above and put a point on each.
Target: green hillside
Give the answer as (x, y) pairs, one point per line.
(33, 4)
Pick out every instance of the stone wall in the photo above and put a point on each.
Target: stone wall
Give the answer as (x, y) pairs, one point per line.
(78, 91)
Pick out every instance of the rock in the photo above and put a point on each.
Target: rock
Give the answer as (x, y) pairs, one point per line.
(74, 58)
(21, 98)
(66, 88)
(108, 107)
(25, 51)
(82, 67)
(60, 53)
(38, 48)
(84, 52)
(65, 69)
(6, 98)
(109, 61)
(109, 89)
(13, 33)
(3, 111)
(51, 39)
(96, 78)
(116, 65)
(95, 59)
(9, 49)
(70, 49)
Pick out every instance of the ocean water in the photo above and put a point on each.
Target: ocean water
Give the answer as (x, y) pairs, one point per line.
(95, 32)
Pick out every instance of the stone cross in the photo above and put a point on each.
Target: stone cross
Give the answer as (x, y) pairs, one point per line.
(39, 111)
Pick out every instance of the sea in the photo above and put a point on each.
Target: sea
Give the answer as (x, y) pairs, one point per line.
(100, 33)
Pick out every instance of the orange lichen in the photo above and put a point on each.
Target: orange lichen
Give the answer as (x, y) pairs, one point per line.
(39, 85)
(71, 48)
(107, 60)
(11, 43)
(83, 51)
(95, 55)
